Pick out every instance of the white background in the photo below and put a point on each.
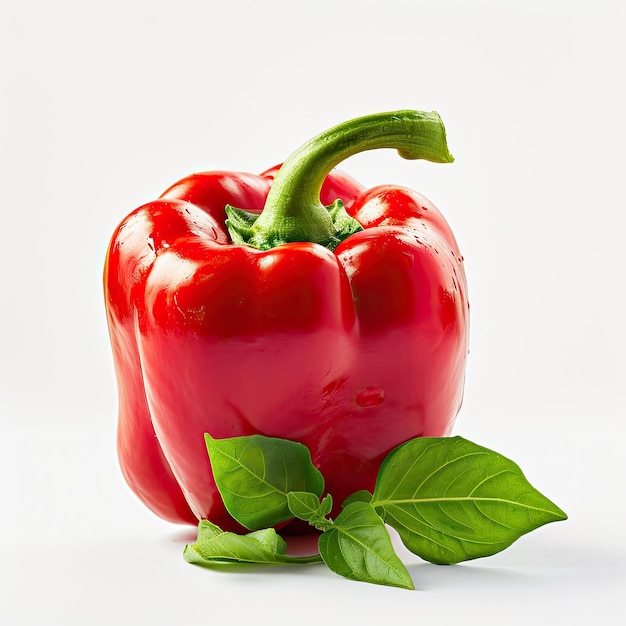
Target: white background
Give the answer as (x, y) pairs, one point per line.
(104, 105)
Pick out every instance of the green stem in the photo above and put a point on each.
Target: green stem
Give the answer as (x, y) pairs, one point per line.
(293, 211)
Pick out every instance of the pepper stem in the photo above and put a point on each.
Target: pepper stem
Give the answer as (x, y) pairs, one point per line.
(293, 211)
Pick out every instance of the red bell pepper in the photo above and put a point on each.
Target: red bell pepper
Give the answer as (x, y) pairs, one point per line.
(343, 329)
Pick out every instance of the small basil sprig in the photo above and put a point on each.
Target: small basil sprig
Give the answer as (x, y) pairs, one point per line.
(449, 499)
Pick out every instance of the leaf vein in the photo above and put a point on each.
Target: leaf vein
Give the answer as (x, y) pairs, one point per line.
(417, 501)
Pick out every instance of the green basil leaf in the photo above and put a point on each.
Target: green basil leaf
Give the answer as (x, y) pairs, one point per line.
(358, 546)
(254, 474)
(451, 500)
(307, 506)
(326, 505)
(362, 495)
(215, 546)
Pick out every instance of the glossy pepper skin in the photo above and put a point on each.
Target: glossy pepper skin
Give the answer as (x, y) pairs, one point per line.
(350, 350)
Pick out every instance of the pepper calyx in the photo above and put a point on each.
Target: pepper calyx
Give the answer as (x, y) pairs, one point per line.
(240, 224)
